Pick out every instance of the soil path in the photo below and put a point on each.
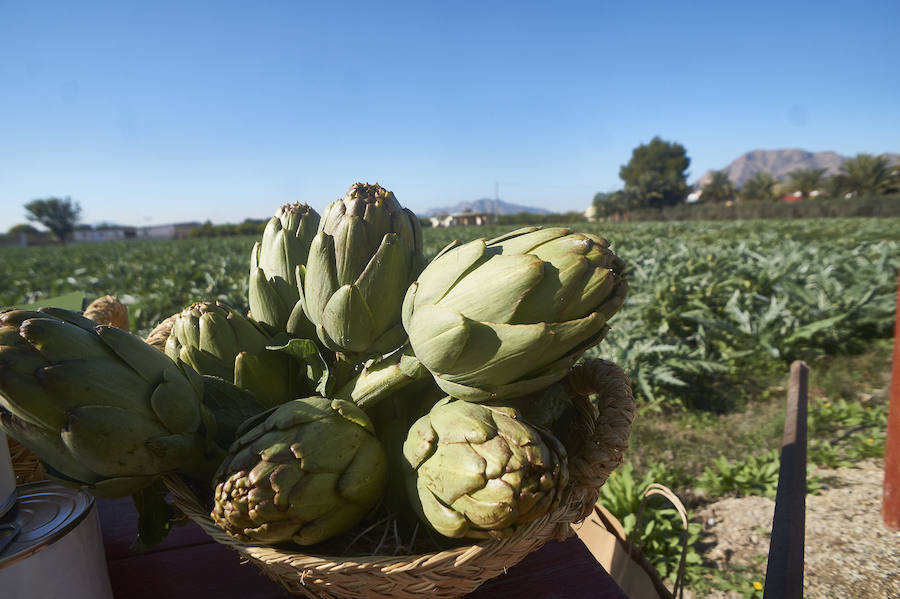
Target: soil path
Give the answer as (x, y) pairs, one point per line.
(850, 554)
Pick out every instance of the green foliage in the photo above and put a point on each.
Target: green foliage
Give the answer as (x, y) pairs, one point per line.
(806, 180)
(248, 227)
(713, 306)
(758, 475)
(154, 279)
(22, 228)
(656, 175)
(661, 535)
(718, 189)
(842, 433)
(834, 206)
(866, 174)
(58, 215)
(759, 188)
(607, 204)
(522, 219)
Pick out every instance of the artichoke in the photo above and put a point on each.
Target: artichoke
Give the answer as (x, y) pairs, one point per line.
(303, 472)
(480, 470)
(100, 407)
(216, 340)
(274, 261)
(509, 316)
(366, 253)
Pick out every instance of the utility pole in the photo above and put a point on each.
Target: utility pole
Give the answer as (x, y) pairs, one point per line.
(496, 202)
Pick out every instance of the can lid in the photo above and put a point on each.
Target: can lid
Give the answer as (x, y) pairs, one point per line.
(45, 512)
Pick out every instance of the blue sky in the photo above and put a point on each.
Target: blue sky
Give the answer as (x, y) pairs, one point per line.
(160, 112)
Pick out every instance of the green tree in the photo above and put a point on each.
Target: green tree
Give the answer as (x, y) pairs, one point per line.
(760, 187)
(607, 204)
(22, 228)
(806, 180)
(718, 189)
(866, 174)
(836, 186)
(656, 175)
(58, 215)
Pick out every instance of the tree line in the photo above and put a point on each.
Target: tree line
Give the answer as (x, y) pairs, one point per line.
(655, 178)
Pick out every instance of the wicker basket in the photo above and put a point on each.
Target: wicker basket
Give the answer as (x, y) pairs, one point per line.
(455, 572)
(27, 468)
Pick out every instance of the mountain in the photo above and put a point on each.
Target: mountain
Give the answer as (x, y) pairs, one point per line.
(488, 206)
(781, 162)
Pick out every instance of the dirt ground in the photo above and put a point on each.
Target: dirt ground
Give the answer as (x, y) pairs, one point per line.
(850, 554)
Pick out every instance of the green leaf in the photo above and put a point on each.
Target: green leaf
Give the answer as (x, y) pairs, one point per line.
(155, 516)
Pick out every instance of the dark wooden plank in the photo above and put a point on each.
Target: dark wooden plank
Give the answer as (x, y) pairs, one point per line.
(118, 519)
(564, 570)
(784, 571)
(209, 571)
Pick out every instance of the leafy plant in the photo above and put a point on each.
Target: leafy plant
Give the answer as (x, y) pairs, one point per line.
(661, 533)
(757, 475)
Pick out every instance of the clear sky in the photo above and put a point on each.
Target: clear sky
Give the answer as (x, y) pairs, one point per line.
(156, 112)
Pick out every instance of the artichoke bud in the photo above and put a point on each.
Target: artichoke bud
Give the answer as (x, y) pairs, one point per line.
(209, 335)
(306, 471)
(273, 262)
(101, 408)
(500, 318)
(480, 470)
(367, 251)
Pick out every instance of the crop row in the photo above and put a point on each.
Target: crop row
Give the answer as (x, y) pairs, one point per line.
(711, 304)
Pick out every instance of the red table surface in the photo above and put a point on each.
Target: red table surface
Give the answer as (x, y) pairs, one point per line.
(190, 565)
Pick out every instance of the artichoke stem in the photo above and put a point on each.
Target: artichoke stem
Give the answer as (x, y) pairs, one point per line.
(200, 473)
(344, 370)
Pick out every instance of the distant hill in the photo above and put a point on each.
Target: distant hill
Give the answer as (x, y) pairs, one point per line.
(488, 206)
(779, 163)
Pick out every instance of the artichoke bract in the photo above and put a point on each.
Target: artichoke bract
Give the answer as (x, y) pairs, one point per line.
(101, 408)
(285, 243)
(367, 251)
(303, 472)
(480, 470)
(509, 316)
(217, 341)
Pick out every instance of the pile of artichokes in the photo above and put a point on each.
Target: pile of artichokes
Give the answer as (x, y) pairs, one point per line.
(363, 381)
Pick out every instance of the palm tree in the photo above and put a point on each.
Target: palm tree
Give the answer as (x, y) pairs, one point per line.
(718, 189)
(806, 180)
(866, 174)
(759, 188)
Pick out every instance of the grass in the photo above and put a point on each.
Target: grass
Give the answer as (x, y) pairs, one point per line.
(686, 441)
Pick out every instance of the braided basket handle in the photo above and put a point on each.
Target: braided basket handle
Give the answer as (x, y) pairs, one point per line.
(606, 420)
(159, 335)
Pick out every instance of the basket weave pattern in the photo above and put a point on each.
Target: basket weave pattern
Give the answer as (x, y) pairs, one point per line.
(27, 468)
(455, 572)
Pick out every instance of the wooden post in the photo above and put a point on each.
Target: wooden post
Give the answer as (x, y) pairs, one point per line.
(784, 570)
(890, 502)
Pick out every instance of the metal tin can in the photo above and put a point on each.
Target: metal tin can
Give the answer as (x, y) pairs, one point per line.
(58, 552)
(7, 478)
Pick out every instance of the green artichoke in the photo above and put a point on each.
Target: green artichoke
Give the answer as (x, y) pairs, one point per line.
(509, 316)
(303, 472)
(366, 253)
(216, 340)
(480, 470)
(273, 264)
(101, 408)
